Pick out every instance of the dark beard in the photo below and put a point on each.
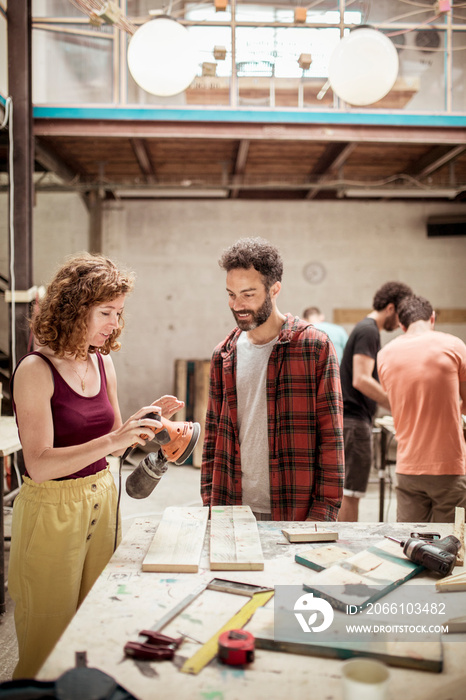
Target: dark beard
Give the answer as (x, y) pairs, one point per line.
(258, 317)
(391, 323)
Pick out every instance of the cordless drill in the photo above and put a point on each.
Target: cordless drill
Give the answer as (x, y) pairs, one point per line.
(438, 556)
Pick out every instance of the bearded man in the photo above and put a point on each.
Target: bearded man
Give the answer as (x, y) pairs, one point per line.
(274, 423)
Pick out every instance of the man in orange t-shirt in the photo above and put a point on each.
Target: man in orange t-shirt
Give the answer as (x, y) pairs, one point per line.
(424, 374)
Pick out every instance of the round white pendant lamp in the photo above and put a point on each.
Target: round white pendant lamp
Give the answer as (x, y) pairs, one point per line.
(162, 57)
(363, 66)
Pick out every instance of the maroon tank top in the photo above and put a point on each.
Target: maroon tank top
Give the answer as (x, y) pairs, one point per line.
(76, 418)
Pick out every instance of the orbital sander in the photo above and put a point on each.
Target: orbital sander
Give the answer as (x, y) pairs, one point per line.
(176, 441)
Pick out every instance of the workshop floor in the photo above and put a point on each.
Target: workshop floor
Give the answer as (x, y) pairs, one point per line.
(178, 487)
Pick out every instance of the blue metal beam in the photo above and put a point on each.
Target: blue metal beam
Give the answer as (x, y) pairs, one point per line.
(376, 118)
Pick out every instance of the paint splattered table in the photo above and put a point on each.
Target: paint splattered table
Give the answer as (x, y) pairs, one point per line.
(126, 600)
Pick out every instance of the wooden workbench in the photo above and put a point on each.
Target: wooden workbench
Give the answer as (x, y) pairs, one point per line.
(9, 444)
(125, 600)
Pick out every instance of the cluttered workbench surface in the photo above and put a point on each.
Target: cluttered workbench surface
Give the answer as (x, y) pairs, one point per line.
(127, 599)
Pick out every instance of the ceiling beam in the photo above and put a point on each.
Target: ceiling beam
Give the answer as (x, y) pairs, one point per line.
(435, 159)
(51, 161)
(327, 159)
(270, 188)
(240, 165)
(143, 158)
(329, 164)
(251, 131)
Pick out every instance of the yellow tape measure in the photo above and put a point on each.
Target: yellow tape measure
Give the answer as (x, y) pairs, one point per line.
(207, 652)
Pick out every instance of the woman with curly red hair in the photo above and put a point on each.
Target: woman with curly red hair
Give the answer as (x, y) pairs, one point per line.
(66, 407)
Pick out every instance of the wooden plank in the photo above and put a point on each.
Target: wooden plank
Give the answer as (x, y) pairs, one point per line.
(234, 540)
(457, 582)
(321, 558)
(192, 387)
(366, 571)
(181, 381)
(309, 534)
(459, 533)
(342, 316)
(177, 544)
(450, 316)
(9, 438)
(427, 656)
(456, 624)
(201, 397)
(351, 316)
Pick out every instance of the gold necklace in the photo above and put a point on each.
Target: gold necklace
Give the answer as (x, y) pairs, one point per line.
(81, 379)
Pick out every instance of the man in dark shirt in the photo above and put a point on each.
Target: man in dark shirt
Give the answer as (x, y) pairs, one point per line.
(362, 392)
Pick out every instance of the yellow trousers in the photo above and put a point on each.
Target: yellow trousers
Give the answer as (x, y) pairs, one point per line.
(62, 537)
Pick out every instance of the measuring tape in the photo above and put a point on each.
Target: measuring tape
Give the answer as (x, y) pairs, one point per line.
(236, 647)
(210, 649)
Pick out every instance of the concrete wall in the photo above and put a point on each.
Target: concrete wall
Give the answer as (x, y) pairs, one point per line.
(60, 225)
(3, 57)
(179, 307)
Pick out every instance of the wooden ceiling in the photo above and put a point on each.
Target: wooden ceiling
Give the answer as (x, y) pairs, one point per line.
(248, 160)
(251, 159)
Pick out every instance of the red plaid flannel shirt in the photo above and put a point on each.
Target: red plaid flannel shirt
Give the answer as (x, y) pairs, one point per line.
(305, 426)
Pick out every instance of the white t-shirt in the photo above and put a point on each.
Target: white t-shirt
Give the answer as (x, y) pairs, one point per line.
(251, 389)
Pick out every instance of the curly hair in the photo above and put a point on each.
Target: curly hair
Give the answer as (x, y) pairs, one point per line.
(390, 293)
(257, 253)
(414, 308)
(82, 282)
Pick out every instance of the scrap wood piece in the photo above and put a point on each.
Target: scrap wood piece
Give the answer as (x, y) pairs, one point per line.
(321, 558)
(459, 533)
(178, 541)
(364, 577)
(234, 540)
(427, 656)
(245, 589)
(308, 533)
(456, 624)
(362, 562)
(455, 582)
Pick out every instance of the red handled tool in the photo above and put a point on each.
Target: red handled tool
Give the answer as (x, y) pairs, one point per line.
(236, 647)
(157, 646)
